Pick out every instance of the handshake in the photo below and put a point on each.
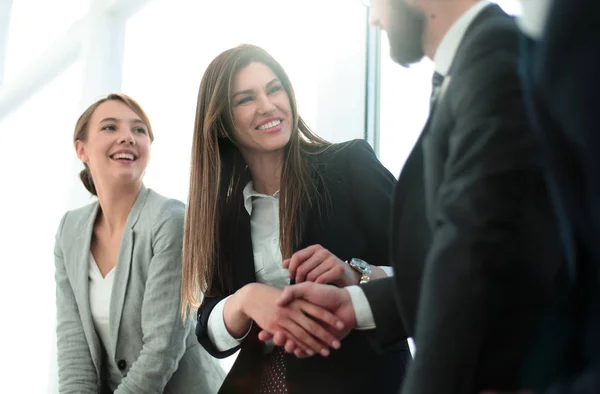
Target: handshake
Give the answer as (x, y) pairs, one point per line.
(308, 318)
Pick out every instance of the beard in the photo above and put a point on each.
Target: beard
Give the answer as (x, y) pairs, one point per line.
(405, 34)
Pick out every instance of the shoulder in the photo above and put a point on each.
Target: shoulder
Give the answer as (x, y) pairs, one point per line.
(485, 75)
(159, 210)
(495, 33)
(340, 155)
(75, 220)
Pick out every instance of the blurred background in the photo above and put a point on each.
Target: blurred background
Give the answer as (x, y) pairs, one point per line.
(57, 57)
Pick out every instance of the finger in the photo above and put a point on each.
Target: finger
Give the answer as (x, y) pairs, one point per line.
(286, 263)
(299, 257)
(279, 338)
(320, 269)
(315, 330)
(296, 326)
(320, 314)
(300, 354)
(291, 293)
(319, 332)
(283, 335)
(334, 275)
(308, 265)
(290, 346)
(264, 336)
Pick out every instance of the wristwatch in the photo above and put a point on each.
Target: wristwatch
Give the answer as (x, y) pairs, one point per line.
(362, 267)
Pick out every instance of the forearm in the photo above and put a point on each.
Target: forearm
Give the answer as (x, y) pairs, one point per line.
(236, 320)
(379, 273)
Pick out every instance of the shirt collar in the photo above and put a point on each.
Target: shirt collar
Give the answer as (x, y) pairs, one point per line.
(449, 45)
(534, 15)
(249, 193)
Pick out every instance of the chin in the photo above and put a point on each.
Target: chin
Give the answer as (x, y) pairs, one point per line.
(406, 55)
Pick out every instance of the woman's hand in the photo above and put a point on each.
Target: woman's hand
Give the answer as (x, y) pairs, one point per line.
(319, 265)
(300, 321)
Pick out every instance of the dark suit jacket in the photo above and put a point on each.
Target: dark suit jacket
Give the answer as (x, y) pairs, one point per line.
(561, 76)
(474, 239)
(353, 222)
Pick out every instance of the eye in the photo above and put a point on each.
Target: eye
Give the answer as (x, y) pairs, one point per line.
(245, 100)
(275, 89)
(109, 127)
(140, 130)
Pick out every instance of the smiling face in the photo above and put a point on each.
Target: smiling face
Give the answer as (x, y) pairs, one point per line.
(116, 145)
(262, 113)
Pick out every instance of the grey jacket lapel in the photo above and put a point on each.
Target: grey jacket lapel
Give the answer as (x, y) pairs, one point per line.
(80, 258)
(123, 268)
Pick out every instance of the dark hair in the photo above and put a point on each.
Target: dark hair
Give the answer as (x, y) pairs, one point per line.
(81, 129)
(219, 174)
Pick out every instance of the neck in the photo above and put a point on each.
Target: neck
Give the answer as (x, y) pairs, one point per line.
(265, 169)
(116, 203)
(440, 16)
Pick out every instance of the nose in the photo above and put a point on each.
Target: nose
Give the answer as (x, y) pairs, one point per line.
(127, 137)
(265, 106)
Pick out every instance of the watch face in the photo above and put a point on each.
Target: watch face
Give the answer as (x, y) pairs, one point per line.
(360, 264)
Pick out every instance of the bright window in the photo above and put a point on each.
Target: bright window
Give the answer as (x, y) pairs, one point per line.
(170, 43)
(34, 26)
(36, 157)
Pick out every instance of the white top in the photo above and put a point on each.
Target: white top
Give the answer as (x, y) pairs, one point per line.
(264, 227)
(534, 16)
(100, 293)
(449, 45)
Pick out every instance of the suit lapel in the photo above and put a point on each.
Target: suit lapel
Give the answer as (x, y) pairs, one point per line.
(123, 268)
(244, 263)
(81, 260)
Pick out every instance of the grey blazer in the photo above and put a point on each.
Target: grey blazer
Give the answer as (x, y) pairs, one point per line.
(153, 350)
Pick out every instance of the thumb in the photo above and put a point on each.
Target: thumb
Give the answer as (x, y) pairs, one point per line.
(292, 293)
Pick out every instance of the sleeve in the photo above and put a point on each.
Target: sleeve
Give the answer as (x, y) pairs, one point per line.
(202, 328)
(362, 309)
(217, 331)
(373, 187)
(164, 333)
(76, 370)
(382, 298)
(493, 232)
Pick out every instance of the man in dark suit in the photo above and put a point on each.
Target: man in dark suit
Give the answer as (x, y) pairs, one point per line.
(560, 69)
(474, 243)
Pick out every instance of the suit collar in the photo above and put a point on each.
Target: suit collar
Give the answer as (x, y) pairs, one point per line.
(123, 268)
(80, 255)
(449, 45)
(490, 11)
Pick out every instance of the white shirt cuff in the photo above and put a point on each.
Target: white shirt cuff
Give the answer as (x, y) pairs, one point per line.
(362, 309)
(217, 331)
(389, 271)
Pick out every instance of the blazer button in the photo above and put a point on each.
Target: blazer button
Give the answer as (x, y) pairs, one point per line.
(121, 364)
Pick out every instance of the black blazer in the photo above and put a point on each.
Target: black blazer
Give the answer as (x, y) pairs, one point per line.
(561, 76)
(474, 242)
(353, 222)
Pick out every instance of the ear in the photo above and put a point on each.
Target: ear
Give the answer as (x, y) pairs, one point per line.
(80, 150)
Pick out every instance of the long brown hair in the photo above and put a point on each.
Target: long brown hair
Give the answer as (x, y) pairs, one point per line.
(81, 130)
(219, 174)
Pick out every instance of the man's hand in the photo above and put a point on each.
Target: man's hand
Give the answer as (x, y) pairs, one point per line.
(319, 265)
(307, 325)
(333, 299)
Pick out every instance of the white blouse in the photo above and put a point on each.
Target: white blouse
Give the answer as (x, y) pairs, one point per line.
(264, 228)
(100, 291)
